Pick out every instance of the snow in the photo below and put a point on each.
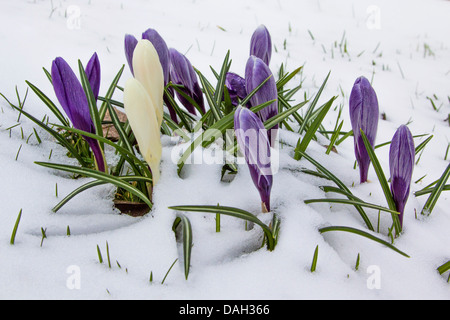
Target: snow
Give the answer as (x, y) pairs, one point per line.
(392, 51)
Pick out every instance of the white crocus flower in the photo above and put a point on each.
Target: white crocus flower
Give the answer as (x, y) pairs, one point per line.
(140, 111)
(148, 71)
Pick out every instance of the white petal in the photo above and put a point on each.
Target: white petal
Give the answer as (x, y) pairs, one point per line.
(148, 71)
(141, 115)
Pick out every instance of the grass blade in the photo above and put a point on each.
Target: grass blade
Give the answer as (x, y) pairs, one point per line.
(187, 241)
(307, 117)
(364, 234)
(310, 133)
(16, 226)
(437, 190)
(340, 184)
(91, 101)
(234, 212)
(352, 202)
(55, 134)
(314, 261)
(49, 104)
(96, 183)
(99, 176)
(445, 267)
(383, 182)
(110, 92)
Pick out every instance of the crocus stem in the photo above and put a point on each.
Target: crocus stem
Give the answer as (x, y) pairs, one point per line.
(264, 208)
(98, 155)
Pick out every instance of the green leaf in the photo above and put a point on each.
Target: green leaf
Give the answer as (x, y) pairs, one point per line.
(96, 183)
(340, 184)
(364, 234)
(91, 101)
(204, 139)
(49, 104)
(314, 261)
(383, 181)
(310, 133)
(55, 134)
(129, 156)
(187, 241)
(234, 212)
(352, 202)
(16, 226)
(99, 176)
(178, 111)
(437, 190)
(445, 267)
(282, 115)
(287, 77)
(110, 92)
(307, 117)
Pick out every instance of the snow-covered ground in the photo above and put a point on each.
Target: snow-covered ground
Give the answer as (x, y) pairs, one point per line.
(403, 46)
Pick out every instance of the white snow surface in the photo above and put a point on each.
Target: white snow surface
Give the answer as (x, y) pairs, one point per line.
(405, 51)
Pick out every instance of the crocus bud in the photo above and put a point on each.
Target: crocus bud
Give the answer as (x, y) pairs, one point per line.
(261, 44)
(256, 72)
(254, 144)
(401, 165)
(182, 73)
(130, 44)
(236, 87)
(148, 71)
(74, 102)
(144, 123)
(93, 74)
(363, 106)
(162, 49)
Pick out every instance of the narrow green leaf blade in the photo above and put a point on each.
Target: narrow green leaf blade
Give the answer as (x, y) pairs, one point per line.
(363, 234)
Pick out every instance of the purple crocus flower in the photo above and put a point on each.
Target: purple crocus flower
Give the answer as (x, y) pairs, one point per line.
(256, 71)
(236, 87)
(130, 45)
(182, 73)
(363, 107)
(73, 100)
(254, 144)
(401, 165)
(93, 74)
(161, 48)
(261, 44)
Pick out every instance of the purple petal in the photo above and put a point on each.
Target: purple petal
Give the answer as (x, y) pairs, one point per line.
(93, 74)
(182, 73)
(73, 100)
(130, 45)
(401, 165)
(254, 143)
(162, 50)
(256, 71)
(261, 44)
(236, 87)
(363, 107)
(71, 95)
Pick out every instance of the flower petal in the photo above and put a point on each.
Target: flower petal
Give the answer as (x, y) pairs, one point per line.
(144, 123)
(363, 108)
(261, 44)
(162, 49)
(148, 71)
(93, 74)
(254, 144)
(130, 45)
